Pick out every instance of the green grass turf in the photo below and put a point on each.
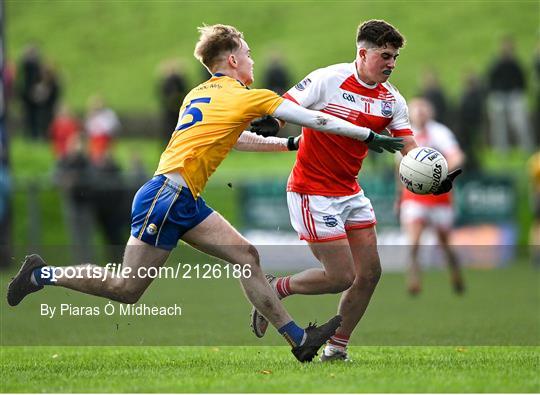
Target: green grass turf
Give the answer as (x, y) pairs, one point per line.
(500, 308)
(120, 58)
(268, 369)
(484, 341)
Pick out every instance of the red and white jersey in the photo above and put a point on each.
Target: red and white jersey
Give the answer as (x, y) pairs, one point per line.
(438, 136)
(328, 164)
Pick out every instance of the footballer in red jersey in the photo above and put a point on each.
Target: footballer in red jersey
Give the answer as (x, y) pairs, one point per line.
(417, 212)
(327, 206)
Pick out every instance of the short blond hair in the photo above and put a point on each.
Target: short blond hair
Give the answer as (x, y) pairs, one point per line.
(214, 41)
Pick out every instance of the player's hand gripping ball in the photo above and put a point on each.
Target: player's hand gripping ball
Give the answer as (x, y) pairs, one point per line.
(423, 170)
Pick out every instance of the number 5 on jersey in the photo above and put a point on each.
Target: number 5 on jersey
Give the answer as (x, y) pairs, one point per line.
(195, 112)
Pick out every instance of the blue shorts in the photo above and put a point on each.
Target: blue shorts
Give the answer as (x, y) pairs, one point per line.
(163, 211)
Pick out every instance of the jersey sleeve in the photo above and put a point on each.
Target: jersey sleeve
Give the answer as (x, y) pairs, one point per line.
(400, 125)
(310, 92)
(259, 102)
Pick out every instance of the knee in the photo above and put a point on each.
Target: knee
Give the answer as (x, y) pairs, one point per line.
(130, 297)
(253, 257)
(369, 278)
(123, 292)
(342, 282)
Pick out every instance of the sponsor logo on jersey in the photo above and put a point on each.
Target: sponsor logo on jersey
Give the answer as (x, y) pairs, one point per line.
(151, 229)
(387, 109)
(349, 97)
(330, 221)
(367, 99)
(303, 84)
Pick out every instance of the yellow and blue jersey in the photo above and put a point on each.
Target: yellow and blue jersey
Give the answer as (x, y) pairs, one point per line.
(212, 117)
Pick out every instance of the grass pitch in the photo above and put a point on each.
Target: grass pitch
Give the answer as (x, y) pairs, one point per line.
(484, 341)
(268, 369)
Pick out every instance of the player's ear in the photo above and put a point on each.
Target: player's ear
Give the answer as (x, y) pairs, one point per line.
(232, 60)
(362, 53)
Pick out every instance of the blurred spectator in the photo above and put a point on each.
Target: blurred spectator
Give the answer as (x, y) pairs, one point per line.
(74, 177)
(63, 129)
(506, 100)
(433, 92)
(172, 89)
(110, 206)
(470, 119)
(101, 125)
(46, 94)
(9, 77)
(276, 76)
(534, 170)
(29, 77)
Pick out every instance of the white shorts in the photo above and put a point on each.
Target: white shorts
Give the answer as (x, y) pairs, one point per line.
(322, 218)
(440, 216)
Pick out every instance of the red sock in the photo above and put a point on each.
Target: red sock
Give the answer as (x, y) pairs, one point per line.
(339, 341)
(283, 286)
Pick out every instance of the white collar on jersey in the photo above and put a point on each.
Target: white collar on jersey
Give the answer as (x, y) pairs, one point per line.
(353, 64)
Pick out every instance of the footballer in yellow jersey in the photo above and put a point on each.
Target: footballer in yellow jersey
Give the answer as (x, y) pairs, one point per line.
(212, 117)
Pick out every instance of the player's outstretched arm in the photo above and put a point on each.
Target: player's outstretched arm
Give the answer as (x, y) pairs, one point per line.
(326, 123)
(252, 142)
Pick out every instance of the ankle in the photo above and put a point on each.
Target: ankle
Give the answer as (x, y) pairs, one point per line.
(339, 341)
(43, 276)
(283, 286)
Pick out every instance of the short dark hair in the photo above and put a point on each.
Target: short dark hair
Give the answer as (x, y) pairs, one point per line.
(379, 33)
